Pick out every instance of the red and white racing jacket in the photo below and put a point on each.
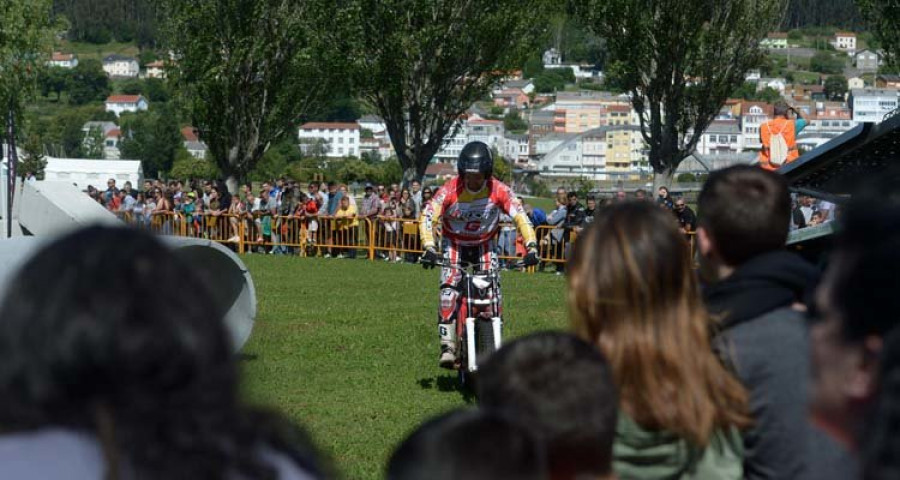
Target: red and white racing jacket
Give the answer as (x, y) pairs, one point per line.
(471, 218)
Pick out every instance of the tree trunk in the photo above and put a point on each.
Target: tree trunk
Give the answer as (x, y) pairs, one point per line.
(663, 179)
(232, 182)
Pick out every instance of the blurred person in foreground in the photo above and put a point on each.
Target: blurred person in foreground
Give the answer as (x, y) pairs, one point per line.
(855, 374)
(633, 294)
(468, 445)
(757, 290)
(562, 388)
(99, 379)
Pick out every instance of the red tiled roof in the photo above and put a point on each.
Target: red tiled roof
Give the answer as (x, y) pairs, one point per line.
(767, 108)
(619, 108)
(189, 133)
(156, 64)
(844, 34)
(62, 57)
(114, 133)
(777, 35)
(330, 125)
(123, 99)
(482, 121)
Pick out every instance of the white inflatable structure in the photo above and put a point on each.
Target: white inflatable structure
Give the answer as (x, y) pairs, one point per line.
(45, 210)
(88, 172)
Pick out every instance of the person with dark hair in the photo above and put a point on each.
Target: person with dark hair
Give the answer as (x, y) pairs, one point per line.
(470, 445)
(687, 220)
(562, 389)
(99, 379)
(779, 137)
(640, 194)
(663, 199)
(590, 209)
(633, 294)
(754, 286)
(881, 450)
(856, 312)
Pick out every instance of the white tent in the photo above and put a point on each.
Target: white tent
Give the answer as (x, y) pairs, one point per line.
(83, 172)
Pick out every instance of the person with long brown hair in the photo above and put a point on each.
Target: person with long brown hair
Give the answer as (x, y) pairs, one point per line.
(633, 294)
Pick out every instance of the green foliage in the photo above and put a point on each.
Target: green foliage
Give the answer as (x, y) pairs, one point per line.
(686, 178)
(33, 158)
(809, 15)
(25, 44)
(836, 87)
(153, 137)
(582, 187)
(250, 70)
(513, 122)
(88, 83)
(828, 63)
(435, 60)
(53, 80)
(533, 67)
(538, 187)
(100, 21)
(748, 91)
(496, 110)
(883, 16)
(553, 79)
(147, 56)
(795, 36)
(679, 61)
(92, 144)
(189, 167)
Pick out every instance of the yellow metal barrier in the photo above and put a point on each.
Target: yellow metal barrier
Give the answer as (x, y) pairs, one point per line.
(391, 238)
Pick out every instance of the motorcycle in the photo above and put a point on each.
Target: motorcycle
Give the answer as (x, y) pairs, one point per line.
(479, 328)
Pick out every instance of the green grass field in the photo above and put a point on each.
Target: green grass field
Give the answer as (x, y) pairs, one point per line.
(348, 348)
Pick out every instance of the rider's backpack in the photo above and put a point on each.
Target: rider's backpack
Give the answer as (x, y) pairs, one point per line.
(778, 147)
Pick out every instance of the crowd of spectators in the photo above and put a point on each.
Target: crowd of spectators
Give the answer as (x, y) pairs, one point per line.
(757, 365)
(281, 217)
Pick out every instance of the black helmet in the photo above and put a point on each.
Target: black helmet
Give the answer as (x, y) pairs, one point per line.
(476, 157)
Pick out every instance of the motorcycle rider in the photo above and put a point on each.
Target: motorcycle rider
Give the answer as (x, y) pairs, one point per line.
(469, 207)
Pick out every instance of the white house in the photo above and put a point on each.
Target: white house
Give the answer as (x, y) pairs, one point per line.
(126, 103)
(845, 42)
(552, 57)
(111, 144)
(871, 104)
(721, 137)
(374, 124)
(63, 60)
(778, 84)
(753, 115)
(753, 75)
(855, 82)
(121, 66)
(867, 60)
(487, 131)
(105, 133)
(603, 153)
(340, 139)
(515, 147)
(155, 69)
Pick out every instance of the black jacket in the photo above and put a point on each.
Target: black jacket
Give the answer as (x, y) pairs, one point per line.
(574, 216)
(767, 344)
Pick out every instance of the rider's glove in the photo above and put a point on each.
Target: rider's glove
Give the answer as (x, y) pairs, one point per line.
(531, 258)
(429, 258)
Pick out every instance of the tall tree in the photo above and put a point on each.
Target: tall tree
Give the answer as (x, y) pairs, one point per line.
(883, 17)
(26, 37)
(422, 63)
(88, 82)
(679, 61)
(249, 71)
(153, 138)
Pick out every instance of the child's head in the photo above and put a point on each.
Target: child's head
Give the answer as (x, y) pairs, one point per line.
(407, 212)
(345, 203)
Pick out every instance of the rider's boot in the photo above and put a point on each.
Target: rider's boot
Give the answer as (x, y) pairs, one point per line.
(447, 332)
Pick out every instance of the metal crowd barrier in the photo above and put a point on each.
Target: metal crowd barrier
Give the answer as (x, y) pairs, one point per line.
(390, 238)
